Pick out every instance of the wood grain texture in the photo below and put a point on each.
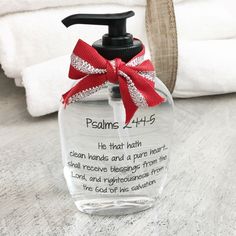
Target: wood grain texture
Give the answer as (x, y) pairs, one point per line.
(199, 198)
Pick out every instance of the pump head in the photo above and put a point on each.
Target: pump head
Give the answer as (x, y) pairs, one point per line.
(117, 43)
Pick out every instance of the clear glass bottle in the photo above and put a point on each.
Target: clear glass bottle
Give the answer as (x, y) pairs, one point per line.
(112, 168)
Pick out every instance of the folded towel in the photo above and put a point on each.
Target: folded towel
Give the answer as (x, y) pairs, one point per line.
(10, 6)
(206, 68)
(45, 83)
(208, 19)
(33, 37)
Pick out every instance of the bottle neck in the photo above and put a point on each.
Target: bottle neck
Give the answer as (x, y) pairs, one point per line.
(114, 91)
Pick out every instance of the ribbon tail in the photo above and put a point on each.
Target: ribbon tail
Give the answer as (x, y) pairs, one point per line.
(84, 88)
(148, 91)
(130, 107)
(146, 88)
(153, 98)
(65, 97)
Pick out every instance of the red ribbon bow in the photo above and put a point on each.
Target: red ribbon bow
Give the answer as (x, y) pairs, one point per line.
(135, 78)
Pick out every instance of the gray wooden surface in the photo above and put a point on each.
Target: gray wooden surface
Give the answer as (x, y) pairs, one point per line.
(199, 198)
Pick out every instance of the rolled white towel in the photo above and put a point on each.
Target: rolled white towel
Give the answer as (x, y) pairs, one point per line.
(10, 6)
(45, 83)
(206, 67)
(34, 37)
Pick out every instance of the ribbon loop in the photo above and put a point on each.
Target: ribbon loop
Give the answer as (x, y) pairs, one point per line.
(135, 78)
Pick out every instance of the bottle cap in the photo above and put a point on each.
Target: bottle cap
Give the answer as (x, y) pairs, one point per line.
(117, 43)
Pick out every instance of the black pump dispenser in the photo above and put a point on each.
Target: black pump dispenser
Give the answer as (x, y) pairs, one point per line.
(117, 43)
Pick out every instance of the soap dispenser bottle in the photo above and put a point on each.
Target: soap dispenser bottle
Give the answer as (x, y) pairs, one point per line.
(115, 122)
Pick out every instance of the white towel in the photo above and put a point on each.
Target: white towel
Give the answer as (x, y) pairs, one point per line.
(45, 83)
(10, 6)
(34, 37)
(206, 67)
(206, 19)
